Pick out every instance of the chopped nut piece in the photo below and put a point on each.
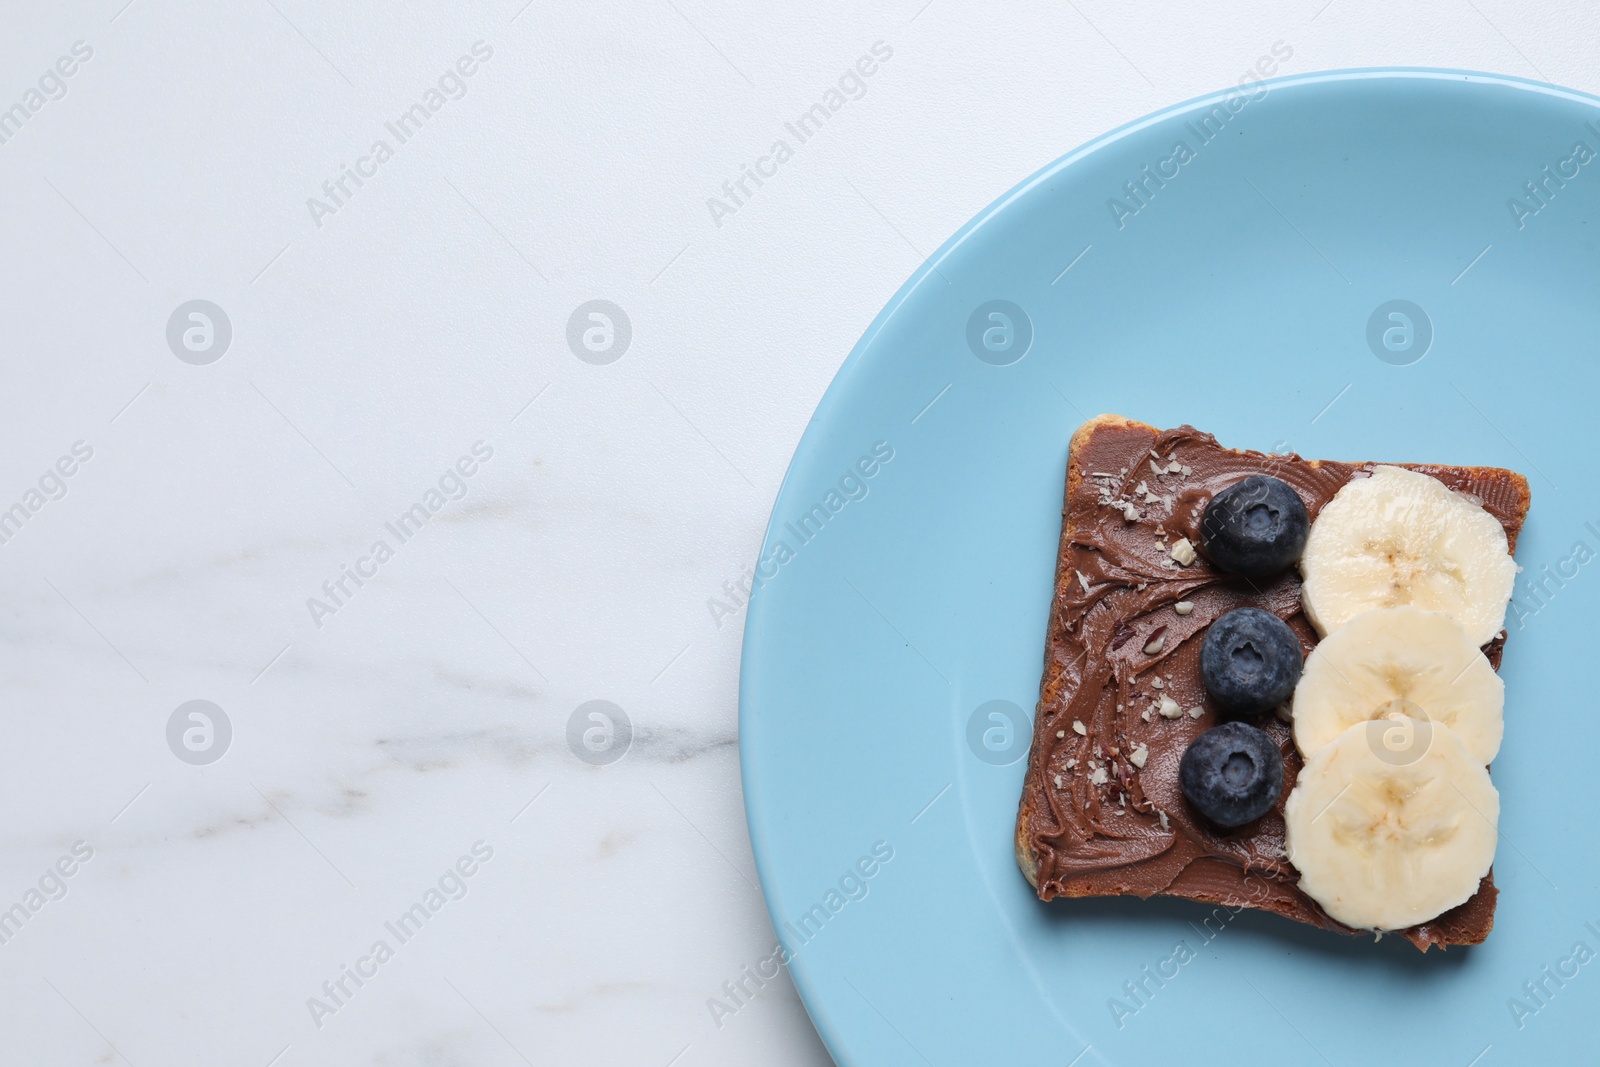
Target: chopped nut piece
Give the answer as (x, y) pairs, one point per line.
(1155, 640)
(1099, 776)
(1138, 756)
(1145, 715)
(1183, 607)
(1072, 763)
(1183, 551)
(1157, 683)
(1169, 708)
(1195, 713)
(1078, 728)
(1163, 816)
(1118, 811)
(1083, 580)
(1154, 469)
(1061, 733)
(1057, 780)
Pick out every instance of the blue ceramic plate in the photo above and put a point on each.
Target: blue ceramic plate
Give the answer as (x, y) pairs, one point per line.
(1393, 264)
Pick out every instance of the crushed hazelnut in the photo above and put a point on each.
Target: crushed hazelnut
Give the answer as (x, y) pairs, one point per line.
(1138, 756)
(1169, 708)
(1061, 734)
(1163, 817)
(1183, 607)
(1145, 715)
(1099, 776)
(1195, 713)
(1155, 640)
(1157, 683)
(1072, 763)
(1078, 728)
(1183, 551)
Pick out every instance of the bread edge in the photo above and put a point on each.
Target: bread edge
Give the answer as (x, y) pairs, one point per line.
(1026, 859)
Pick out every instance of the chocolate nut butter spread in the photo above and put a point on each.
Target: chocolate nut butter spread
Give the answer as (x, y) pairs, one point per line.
(1122, 694)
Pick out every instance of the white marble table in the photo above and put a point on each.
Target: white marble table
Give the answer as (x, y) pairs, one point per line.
(377, 841)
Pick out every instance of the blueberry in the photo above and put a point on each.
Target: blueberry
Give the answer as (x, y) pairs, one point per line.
(1232, 773)
(1250, 661)
(1255, 527)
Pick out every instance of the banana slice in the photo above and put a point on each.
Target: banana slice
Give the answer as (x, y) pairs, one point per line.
(1386, 836)
(1400, 537)
(1406, 660)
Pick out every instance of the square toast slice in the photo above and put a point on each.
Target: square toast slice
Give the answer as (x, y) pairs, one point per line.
(1091, 823)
